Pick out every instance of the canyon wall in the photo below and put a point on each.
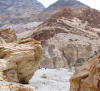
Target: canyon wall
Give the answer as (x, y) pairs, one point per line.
(70, 37)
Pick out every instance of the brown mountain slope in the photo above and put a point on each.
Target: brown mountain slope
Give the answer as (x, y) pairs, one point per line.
(60, 4)
(19, 11)
(69, 37)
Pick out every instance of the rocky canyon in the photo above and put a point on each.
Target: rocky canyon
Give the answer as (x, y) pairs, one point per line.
(54, 48)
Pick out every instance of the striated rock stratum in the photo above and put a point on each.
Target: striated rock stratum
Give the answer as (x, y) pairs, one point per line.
(70, 37)
(19, 61)
(87, 77)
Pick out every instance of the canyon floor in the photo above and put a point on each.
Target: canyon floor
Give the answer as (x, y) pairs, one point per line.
(52, 79)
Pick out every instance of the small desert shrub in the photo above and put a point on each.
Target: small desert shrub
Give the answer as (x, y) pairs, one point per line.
(44, 76)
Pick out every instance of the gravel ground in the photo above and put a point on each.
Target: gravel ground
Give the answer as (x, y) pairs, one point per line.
(52, 79)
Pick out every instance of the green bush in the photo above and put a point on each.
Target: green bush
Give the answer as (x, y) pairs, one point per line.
(44, 76)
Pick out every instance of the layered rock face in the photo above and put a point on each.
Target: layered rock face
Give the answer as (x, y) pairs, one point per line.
(19, 60)
(69, 37)
(8, 35)
(87, 77)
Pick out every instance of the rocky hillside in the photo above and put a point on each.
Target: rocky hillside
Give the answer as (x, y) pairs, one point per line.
(20, 14)
(48, 12)
(19, 11)
(69, 37)
(22, 28)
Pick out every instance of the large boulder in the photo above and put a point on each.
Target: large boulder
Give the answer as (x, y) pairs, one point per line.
(87, 77)
(19, 61)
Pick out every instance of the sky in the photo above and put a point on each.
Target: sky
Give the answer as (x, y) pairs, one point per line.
(46, 3)
(92, 3)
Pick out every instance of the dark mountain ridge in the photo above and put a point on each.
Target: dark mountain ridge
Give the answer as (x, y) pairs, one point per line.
(60, 4)
(66, 4)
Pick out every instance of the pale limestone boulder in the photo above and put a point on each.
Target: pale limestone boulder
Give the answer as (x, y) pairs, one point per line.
(87, 77)
(19, 61)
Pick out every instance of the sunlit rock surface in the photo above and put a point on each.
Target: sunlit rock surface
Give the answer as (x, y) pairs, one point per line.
(19, 61)
(87, 77)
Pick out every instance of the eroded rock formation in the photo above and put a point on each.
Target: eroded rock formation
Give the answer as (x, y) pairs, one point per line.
(69, 37)
(19, 61)
(8, 35)
(87, 77)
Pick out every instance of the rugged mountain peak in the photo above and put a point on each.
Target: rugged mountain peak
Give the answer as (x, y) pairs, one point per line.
(67, 4)
(61, 4)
